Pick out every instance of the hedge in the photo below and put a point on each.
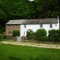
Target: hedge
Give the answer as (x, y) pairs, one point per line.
(40, 33)
(15, 33)
(54, 35)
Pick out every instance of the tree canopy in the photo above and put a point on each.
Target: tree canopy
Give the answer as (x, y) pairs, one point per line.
(24, 9)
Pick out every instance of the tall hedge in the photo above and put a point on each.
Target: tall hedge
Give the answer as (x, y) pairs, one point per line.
(15, 33)
(54, 35)
(40, 33)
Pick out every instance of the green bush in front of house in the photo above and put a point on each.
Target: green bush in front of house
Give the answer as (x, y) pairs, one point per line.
(30, 34)
(40, 34)
(54, 35)
(15, 33)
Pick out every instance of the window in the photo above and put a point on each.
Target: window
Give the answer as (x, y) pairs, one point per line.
(8, 25)
(24, 26)
(41, 25)
(50, 25)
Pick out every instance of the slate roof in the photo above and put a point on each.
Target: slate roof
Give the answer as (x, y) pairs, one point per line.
(34, 21)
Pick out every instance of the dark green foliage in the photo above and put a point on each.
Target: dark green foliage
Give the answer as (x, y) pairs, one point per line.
(18, 9)
(2, 30)
(40, 33)
(44, 38)
(16, 33)
(54, 35)
(30, 34)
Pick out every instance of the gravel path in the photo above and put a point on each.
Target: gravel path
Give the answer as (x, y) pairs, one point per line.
(55, 46)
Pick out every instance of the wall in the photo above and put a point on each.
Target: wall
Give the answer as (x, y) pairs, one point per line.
(10, 28)
(34, 27)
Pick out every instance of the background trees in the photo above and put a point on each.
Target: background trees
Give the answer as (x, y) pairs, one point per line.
(21, 9)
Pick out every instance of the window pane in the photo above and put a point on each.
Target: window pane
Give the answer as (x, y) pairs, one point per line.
(24, 26)
(8, 25)
(41, 25)
(50, 25)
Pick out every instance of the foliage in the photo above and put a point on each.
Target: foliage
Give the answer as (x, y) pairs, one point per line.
(18, 9)
(44, 38)
(40, 33)
(54, 35)
(2, 30)
(16, 33)
(30, 34)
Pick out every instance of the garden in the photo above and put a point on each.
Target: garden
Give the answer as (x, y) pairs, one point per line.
(41, 35)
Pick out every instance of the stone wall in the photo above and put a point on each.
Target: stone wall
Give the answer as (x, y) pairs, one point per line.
(10, 28)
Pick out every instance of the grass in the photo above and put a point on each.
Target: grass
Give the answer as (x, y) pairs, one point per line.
(13, 52)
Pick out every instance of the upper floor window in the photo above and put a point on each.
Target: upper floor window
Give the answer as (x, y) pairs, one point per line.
(24, 26)
(50, 25)
(8, 25)
(41, 26)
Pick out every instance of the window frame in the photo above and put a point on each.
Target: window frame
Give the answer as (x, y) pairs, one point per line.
(24, 26)
(41, 25)
(9, 26)
(51, 25)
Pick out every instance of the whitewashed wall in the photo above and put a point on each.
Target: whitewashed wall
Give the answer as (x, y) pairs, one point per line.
(34, 27)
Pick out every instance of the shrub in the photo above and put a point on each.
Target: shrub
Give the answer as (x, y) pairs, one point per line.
(40, 33)
(54, 35)
(15, 33)
(30, 34)
(44, 38)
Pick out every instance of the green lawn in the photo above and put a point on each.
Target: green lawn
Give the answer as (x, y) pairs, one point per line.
(13, 52)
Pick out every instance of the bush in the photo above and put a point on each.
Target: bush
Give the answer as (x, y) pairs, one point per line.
(15, 33)
(44, 38)
(30, 34)
(54, 35)
(40, 33)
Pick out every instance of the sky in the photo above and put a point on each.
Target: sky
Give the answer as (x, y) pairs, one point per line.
(31, 0)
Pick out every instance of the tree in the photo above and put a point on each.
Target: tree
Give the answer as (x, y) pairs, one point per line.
(19, 9)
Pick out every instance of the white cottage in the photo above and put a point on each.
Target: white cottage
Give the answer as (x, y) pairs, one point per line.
(24, 24)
